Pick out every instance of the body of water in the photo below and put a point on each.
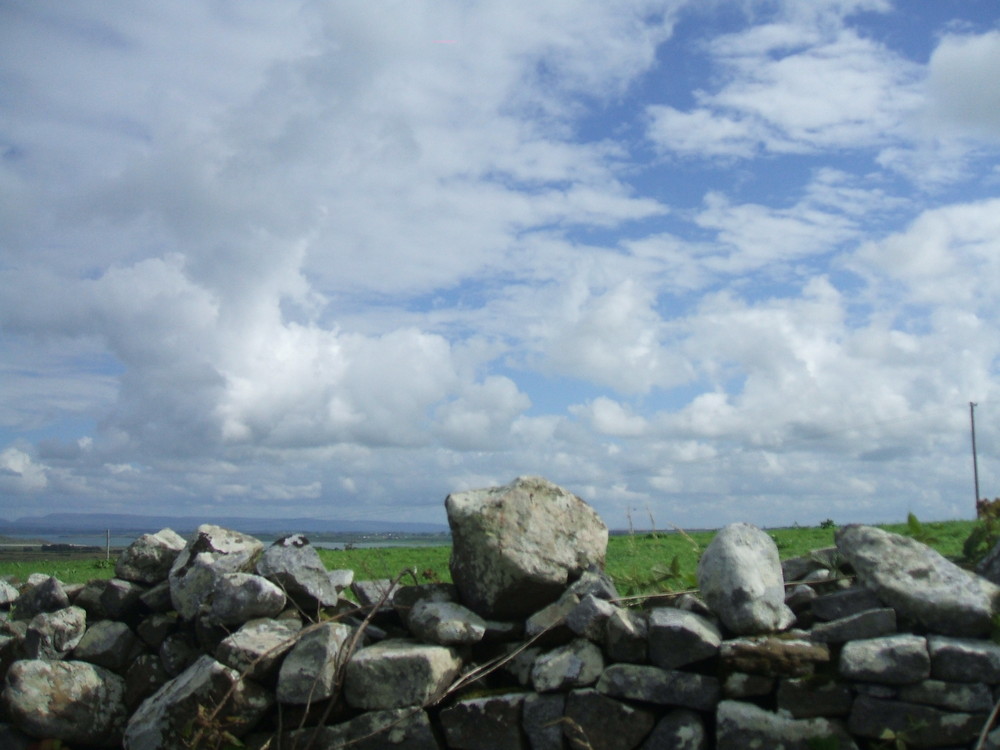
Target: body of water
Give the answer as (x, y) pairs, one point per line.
(328, 541)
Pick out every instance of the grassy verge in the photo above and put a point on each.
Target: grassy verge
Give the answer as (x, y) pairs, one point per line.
(639, 563)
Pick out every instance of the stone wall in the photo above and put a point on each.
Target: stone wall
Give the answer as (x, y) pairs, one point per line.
(877, 642)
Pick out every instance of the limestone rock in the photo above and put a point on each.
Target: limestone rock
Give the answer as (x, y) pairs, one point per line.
(739, 575)
(47, 595)
(839, 604)
(445, 623)
(515, 548)
(109, 644)
(239, 597)
(681, 729)
(163, 719)
(70, 701)
(121, 599)
(8, 594)
(626, 636)
(918, 582)
(52, 635)
(294, 565)
(678, 638)
(922, 726)
(742, 725)
(870, 624)
(397, 672)
(144, 676)
(964, 659)
(259, 647)
(542, 720)
(808, 698)
(148, 559)
(589, 618)
(213, 551)
(966, 697)
(895, 659)
(490, 723)
(401, 728)
(594, 720)
(309, 672)
(772, 656)
(661, 686)
(577, 664)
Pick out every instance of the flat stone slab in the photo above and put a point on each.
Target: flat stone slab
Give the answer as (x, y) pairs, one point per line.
(918, 582)
(399, 672)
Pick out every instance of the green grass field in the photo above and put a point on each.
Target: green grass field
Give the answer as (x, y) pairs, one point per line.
(640, 563)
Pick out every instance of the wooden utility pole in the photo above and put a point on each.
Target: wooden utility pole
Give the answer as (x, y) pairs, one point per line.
(975, 462)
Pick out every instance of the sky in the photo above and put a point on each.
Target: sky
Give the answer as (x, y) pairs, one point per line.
(697, 262)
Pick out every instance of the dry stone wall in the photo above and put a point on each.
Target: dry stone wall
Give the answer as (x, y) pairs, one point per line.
(217, 640)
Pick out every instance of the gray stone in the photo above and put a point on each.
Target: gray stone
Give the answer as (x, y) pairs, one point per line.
(52, 635)
(406, 596)
(212, 552)
(309, 672)
(163, 721)
(594, 582)
(918, 582)
(157, 598)
(773, 656)
(808, 698)
(743, 725)
(379, 592)
(968, 697)
(678, 638)
(894, 659)
(519, 661)
(155, 628)
(47, 595)
(239, 597)
(405, 728)
(661, 686)
(70, 701)
(626, 635)
(589, 618)
(144, 676)
(295, 566)
(920, 726)
(8, 594)
(120, 599)
(109, 644)
(577, 664)
(595, 721)
(397, 672)
(89, 599)
(148, 559)
(178, 652)
(445, 623)
(797, 568)
(549, 624)
(542, 720)
(489, 723)
(681, 729)
(739, 575)
(340, 579)
(515, 548)
(870, 624)
(964, 659)
(742, 685)
(798, 598)
(840, 604)
(258, 647)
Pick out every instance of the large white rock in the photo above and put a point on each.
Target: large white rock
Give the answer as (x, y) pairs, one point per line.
(740, 578)
(514, 548)
(149, 558)
(70, 701)
(163, 721)
(918, 582)
(213, 552)
(397, 672)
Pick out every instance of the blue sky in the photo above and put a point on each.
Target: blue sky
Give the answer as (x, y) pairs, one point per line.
(698, 262)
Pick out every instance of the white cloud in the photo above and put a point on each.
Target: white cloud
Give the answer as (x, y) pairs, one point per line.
(963, 95)
(609, 417)
(20, 473)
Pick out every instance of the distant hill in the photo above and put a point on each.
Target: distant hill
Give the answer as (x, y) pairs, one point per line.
(83, 523)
